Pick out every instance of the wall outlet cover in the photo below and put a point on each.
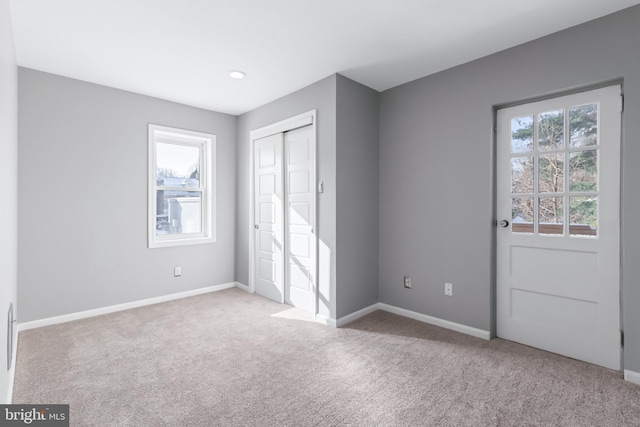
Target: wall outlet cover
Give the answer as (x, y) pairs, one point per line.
(448, 289)
(407, 282)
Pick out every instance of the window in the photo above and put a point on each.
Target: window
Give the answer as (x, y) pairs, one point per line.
(554, 171)
(181, 187)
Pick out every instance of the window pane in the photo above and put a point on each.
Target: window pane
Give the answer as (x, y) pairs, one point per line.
(182, 208)
(522, 215)
(583, 171)
(178, 165)
(178, 212)
(583, 125)
(522, 175)
(522, 134)
(583, 215)
(551, 130)
(550, 215)
(551, 173)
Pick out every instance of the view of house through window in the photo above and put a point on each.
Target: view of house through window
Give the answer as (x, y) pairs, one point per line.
(180, 186)
(179, 201)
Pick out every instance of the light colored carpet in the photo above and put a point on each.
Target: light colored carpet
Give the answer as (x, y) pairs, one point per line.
(234, 359)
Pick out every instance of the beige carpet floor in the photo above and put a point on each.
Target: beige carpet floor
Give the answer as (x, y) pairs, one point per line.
(234, 359)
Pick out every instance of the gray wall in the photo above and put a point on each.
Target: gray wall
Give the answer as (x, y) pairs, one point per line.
(9, 187)
(83, 198)
(357, 196)
(436, 151)
(322, 97)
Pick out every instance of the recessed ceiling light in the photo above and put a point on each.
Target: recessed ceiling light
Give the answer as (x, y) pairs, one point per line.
(237, 74)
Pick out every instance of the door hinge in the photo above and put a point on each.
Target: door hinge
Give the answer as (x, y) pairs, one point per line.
(622, 102)
(621, 338)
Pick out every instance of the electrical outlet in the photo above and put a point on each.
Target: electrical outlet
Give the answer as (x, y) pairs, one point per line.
(407, 282)
(448, 289)
(177, 271)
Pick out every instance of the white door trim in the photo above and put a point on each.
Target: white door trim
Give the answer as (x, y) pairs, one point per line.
(301, 120)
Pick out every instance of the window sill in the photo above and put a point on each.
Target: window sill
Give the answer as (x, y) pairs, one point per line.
(167, 243)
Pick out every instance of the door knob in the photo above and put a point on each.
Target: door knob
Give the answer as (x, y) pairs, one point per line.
(503, 223)
(256, 226)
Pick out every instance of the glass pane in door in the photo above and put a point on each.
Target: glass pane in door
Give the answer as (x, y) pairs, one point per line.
(550, 215)
(583, 125)
(551, 173)
(522, 175)
(522, 215)
(583, 171)
(551, 130)
(583, 216)
(522, 134)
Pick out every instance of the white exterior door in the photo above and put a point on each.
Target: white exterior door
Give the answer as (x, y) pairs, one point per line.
(300, 248)
(558, 234)
(269, 218)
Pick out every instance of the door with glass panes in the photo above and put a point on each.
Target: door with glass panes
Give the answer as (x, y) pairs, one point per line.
(558, 234)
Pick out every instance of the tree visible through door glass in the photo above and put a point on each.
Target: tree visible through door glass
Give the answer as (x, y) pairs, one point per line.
(583, 171)
(522, 175)
(522, 210)
(583, 215)
(522, 134)
(583, 125)
(554, 183)
(550, 215)
(551, 130)
(551, 173)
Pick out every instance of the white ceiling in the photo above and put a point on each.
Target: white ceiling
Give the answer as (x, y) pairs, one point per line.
(183, 50)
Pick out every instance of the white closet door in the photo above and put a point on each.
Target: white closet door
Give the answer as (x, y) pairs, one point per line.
(269, 219)
(300, 248)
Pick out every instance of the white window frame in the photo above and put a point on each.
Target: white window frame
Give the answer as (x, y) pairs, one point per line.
(207, 144)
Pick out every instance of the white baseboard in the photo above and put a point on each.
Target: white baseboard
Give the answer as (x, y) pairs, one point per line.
(632, 377)
(12, 371)
(325, 320)
(243, 287)
(120, 307)
(356, 315)
(479, 333)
